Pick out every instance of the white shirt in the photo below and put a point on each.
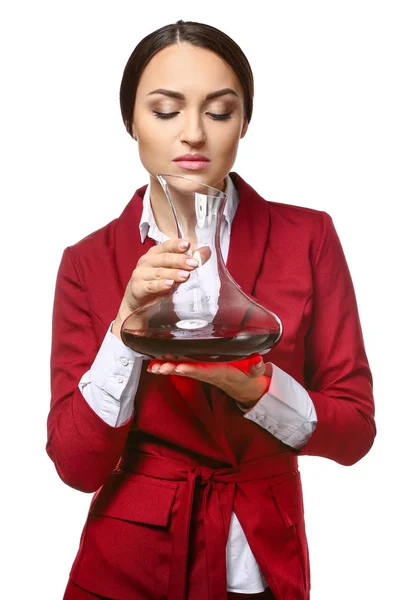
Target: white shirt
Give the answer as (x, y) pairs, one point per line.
(286, 410)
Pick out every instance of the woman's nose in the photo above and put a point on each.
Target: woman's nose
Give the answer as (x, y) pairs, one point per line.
(193, 130)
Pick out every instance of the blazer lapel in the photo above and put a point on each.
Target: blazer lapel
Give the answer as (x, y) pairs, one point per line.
(249, 236)
(112, 263)
(128, 245)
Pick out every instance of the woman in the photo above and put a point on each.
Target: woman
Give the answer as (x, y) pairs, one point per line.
(198, 490)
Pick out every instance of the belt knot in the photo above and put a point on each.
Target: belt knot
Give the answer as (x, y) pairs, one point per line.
(206, 475)
(203, 475)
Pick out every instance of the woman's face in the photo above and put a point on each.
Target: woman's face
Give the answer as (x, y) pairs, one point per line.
(195, 125)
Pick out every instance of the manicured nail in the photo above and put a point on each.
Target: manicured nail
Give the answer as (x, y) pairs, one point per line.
(191, 262)
(196, 255)
(169, 282)
(184, 245)
(184, 274)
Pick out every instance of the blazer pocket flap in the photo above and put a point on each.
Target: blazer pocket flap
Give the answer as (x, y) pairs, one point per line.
(124, 498)
(288, 498)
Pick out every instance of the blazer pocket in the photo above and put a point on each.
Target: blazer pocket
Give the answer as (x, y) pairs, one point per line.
(124, 497)
(288, 497)
(127, 542)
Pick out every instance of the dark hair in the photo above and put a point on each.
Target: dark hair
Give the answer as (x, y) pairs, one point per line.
(197, 34)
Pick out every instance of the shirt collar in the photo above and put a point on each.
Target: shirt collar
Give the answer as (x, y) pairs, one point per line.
(148, 225)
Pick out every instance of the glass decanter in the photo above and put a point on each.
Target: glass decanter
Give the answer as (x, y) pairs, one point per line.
(208, 317)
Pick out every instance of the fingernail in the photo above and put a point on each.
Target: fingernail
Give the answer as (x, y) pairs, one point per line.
(183, 274)
(168, 282)
(191, 262)
(184, 245)
(197, 256)
(260, 364)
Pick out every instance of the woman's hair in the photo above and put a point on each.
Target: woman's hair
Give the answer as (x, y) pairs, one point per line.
(197, 34)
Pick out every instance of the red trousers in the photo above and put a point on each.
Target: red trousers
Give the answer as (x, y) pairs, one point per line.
(74, 592)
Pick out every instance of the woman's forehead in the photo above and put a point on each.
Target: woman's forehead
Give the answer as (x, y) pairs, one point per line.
(189, 70)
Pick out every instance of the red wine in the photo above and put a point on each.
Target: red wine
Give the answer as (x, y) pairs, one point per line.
(211, 343)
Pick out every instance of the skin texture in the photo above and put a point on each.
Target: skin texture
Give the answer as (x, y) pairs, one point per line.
(195, 73)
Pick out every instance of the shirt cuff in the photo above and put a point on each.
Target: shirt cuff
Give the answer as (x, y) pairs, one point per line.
(286, 410)
(113, 365)
(110, 385)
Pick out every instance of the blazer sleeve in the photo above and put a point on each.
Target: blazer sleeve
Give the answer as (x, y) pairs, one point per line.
(83, 447)
(337, 373)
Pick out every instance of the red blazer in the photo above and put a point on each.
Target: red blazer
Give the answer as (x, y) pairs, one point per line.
(171, 476)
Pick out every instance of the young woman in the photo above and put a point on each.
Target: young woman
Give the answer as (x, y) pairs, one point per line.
(198, 493)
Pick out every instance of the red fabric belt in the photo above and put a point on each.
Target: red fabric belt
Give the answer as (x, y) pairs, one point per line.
(216, 524)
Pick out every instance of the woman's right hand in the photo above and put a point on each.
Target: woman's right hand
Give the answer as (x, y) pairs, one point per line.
(156, 272)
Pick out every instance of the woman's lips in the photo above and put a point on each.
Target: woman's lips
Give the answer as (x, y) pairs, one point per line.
(192, 165)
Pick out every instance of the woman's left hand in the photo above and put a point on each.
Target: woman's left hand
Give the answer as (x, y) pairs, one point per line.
(244, 380)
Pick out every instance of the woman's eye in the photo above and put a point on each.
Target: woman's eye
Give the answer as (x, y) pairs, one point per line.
(216, 117)
(161, 115)
(220, 117)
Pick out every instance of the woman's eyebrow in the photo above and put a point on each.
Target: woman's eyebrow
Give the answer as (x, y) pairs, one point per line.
(179, 96)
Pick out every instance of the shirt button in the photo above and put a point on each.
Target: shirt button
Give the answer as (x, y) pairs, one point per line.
(124, 361)
(120, 379)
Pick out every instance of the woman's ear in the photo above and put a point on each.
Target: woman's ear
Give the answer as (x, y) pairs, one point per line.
(244, 129)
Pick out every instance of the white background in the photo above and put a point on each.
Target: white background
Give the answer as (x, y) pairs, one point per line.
(325, 134)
